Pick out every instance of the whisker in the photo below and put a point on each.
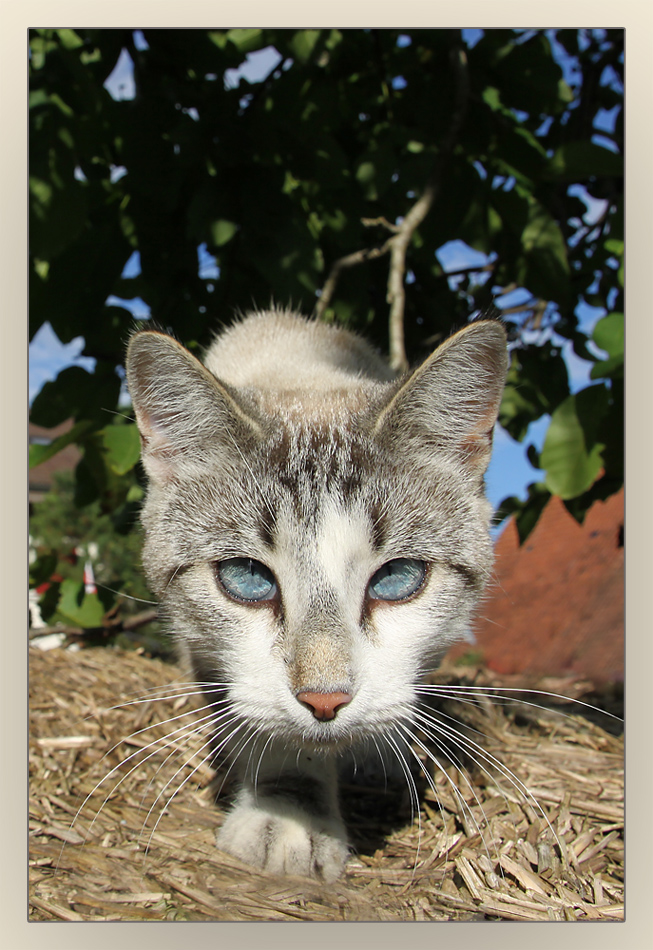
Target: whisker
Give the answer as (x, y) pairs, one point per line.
(155, 746)
(507, 773)
(235, 753)
(490, 691)
(181, 692)
(412, 792)
(175, 748)
(258, 764)
(121, 593)
(457, 793)
(209, 743)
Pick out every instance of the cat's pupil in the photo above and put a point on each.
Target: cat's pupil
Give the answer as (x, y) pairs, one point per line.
(245, 579)
(397, 579)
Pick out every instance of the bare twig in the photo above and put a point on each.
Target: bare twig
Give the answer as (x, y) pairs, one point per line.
(358, 257)
(115, 625)
(402, 233)
(396, 292)
(373, 222)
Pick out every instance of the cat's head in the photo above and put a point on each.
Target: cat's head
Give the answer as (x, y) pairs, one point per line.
(316, 555)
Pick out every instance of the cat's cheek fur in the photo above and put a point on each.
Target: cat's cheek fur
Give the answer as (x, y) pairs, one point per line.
(409, 635)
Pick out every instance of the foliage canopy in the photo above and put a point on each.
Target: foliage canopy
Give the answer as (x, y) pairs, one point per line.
(294, 188)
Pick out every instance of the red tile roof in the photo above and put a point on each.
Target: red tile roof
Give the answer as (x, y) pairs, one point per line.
(557, 605)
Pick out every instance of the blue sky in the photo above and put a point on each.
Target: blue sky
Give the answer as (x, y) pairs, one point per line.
(510, 471)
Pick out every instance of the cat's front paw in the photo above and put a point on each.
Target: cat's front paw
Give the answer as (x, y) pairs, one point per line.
(280, 838)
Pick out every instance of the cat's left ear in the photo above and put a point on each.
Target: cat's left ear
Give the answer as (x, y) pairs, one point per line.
(186, 417)
(450, 403)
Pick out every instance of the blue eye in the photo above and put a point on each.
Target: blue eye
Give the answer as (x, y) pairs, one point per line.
(397, 579)
(248, 580)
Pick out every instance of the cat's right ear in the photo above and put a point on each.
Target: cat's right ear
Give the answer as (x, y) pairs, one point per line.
(184, 414)
(448, 406)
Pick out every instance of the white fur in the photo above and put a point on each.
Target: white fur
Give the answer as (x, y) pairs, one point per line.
(294, 447)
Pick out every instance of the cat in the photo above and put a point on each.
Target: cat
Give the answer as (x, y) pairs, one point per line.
(317, 533)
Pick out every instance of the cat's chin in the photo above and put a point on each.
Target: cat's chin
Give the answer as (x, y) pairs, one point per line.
(323, 743)
(327, 746)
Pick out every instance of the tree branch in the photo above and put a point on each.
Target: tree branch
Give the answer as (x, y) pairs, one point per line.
(358, 257)
(397, 245)
(110, 627)
(373, 222)
(396, 291)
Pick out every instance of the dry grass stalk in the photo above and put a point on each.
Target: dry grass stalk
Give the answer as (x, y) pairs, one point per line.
(497, 859)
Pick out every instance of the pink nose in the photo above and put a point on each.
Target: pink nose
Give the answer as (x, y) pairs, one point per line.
(324, 705)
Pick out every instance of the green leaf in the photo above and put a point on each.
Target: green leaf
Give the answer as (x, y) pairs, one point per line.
(615, 247)
(547, 265)
(123, 447)
(581, 160)
(246, 40)
(75, 392)
(69, 39)
(42, 569)
(526, 513)
(90, 478)
(542, 234)
(571, 454)
(536, 383)
(609, 334)
(48, 601)
(58, 212)
(492, 98)
(41, 453)
(222, 231)
(608, 369)
(365, 172)
(108, 455)
(565, 92)
(83, 610)
(303, 43)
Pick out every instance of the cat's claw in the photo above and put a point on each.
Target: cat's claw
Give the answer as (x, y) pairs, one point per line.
(280, 838)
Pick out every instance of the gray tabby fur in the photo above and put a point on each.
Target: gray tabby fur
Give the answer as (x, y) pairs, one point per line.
(295, 445)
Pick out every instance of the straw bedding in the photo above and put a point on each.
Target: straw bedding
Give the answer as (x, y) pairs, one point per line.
(501, 858)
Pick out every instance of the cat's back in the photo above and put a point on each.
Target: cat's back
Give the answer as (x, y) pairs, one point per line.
(280, 350)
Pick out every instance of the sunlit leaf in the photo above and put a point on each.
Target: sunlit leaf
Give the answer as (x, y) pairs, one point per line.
(571, 455)
(246, 40)
(608, 334)
(303, 43)
(222, 231)
(79, 608)
(123, 447)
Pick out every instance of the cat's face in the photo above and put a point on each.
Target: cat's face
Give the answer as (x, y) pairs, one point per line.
(319, 554)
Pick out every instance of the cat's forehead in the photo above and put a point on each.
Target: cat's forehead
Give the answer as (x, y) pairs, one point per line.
(330, 458)
(331, 550)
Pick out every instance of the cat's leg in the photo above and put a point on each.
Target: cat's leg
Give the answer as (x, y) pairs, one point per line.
(286, 819)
